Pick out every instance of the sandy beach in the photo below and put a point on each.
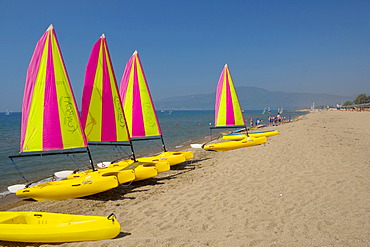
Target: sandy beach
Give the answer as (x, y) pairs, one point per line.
(308, 186)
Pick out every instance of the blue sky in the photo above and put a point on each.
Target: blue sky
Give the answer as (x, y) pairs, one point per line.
(291, 46)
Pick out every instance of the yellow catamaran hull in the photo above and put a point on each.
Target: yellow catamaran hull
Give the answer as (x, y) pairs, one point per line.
(140, 170)
(143, 170)
(70, 188)
(225, 146)
(238, 137)
(173, 158)
(40, 227)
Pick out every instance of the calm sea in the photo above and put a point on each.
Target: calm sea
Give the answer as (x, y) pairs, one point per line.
(180, 128)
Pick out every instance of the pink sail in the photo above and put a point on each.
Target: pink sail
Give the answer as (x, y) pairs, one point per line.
(50, 119)
(138, 105)
(227, 108)
(102, 114)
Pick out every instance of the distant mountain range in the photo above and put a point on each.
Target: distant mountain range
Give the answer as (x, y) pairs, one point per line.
(253, 98)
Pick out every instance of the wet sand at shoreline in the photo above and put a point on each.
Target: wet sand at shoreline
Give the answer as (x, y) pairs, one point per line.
(308, 186)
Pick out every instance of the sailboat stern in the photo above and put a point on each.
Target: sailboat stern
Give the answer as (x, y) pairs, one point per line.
(145, 170)
(142, 170)
(162, 166)
(123, 175)
(173, 158)
(188, 154)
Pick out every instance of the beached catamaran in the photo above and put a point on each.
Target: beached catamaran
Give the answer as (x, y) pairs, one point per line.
(103, 119)
(51, 124)
(228, 114)
(140, 113)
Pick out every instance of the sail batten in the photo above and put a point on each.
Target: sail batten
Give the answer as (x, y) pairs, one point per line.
(227, 108)
(50, 119)
(139, 109)
(102, 113)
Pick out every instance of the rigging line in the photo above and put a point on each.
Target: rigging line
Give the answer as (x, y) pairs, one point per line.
(118, 153)
(152, 149)
(73, 158)
(161, 146)
(128, 184)
(19, 170)
(155, 143)
(218, 136)
(81, 163)
(121, 152)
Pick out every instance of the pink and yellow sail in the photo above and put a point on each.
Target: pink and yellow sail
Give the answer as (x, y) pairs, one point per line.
(227, 108)
(138, 105)
(102, 114)
(50, 119)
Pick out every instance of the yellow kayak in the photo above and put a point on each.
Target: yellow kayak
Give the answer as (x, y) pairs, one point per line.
(40, 227)
(70, 188)
(237, 137)
(225, 146)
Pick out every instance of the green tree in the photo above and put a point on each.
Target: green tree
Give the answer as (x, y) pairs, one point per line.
(362, 99)
(348, 103)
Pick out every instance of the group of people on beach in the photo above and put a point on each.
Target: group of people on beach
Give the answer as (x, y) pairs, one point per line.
(272, 120)
(275, 120)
